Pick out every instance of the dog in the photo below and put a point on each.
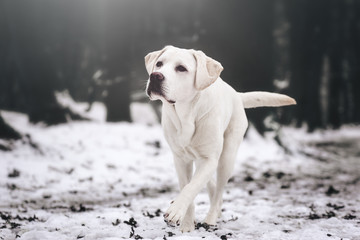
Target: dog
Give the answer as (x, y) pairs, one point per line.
(204, 122)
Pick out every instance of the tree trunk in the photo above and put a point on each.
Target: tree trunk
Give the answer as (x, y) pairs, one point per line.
(308, 32)
(336, 55)
(118, 101)
(353, 53)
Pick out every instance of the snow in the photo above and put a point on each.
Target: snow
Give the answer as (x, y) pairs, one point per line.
(97, 112)
(98, 180)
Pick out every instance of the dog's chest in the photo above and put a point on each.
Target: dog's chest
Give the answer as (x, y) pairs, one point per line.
(180, 139)
(179, 125)
(187, 152)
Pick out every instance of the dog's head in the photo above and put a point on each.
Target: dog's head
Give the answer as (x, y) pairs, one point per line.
(176, 75)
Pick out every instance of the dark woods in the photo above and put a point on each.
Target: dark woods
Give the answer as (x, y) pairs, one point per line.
(94, 49)
(324, 50)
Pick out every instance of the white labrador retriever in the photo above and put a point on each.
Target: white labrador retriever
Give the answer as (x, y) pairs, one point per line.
(204, 122)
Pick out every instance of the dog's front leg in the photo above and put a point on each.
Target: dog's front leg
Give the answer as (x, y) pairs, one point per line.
(184, 172)
(205, 168)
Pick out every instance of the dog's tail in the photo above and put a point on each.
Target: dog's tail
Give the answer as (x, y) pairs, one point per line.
(265, 99)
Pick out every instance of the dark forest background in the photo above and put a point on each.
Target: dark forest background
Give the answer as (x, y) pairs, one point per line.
(308, 49)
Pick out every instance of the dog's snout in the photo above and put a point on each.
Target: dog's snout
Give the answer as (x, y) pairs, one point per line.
(156, 76)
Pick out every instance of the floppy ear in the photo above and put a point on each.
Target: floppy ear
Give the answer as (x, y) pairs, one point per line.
(151, 58)
(207, 71)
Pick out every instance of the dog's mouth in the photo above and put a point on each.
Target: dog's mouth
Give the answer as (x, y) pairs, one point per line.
(158, 90)
(154, 88)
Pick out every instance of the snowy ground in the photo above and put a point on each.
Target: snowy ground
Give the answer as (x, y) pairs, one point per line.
(96, 180)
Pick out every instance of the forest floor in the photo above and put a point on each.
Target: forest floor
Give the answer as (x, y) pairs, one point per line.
(96, 180)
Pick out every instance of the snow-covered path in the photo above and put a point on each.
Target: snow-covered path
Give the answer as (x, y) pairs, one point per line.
(93, 180)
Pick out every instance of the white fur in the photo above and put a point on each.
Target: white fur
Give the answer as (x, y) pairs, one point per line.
(205, 126)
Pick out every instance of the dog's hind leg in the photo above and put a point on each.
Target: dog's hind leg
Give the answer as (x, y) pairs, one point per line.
(224, 172)
(232, 140)
(211, 187)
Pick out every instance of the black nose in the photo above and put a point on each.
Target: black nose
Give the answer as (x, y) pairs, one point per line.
(156, 76)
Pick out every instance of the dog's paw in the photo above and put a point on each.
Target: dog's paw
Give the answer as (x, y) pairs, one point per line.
(212, 217)
(187, 226)
(210, 220)
(176, 212)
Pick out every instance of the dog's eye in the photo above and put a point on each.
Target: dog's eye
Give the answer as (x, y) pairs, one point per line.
(159, 64)
(181, 68)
